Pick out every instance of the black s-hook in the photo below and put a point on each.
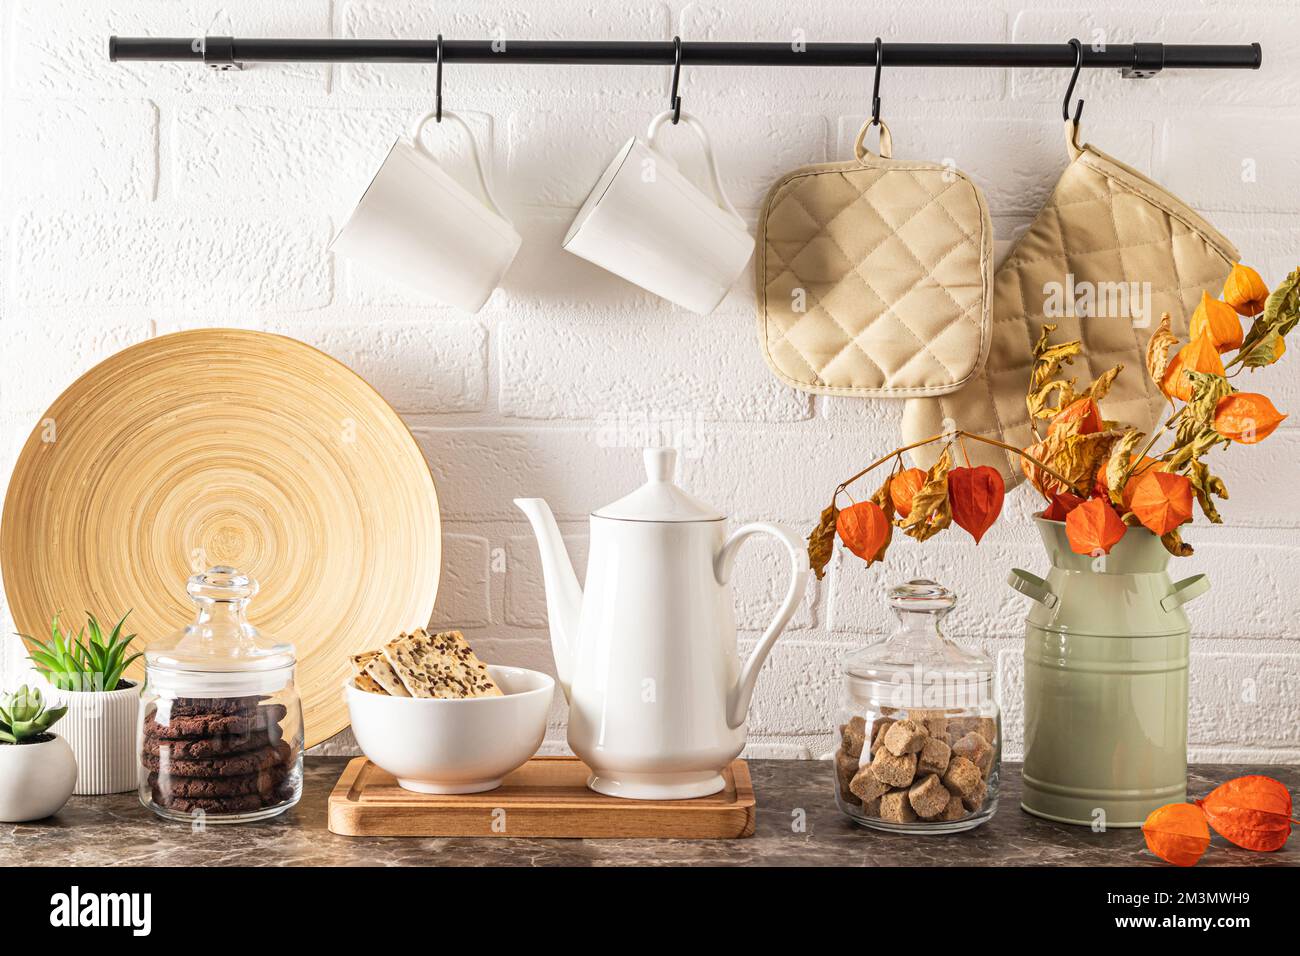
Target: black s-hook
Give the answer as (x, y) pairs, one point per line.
(1074, 78)
(675, 101)
(875, 87)
(437, 108)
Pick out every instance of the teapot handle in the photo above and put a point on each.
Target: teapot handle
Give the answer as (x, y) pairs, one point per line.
(739, 696)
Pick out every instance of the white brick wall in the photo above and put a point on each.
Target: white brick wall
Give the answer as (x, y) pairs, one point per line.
(138, 199)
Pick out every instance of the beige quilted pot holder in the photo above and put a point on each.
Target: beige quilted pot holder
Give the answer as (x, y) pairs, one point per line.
(875, 276)
(1105, 224)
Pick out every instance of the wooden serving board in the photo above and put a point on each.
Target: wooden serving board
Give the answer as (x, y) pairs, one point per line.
(546, 797)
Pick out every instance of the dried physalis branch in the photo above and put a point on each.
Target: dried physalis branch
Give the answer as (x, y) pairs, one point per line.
(1265, 343)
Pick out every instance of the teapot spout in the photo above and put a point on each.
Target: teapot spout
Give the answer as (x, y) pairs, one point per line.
(563, 595)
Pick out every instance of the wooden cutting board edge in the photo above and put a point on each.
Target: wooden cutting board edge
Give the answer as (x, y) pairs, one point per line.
(472, 815)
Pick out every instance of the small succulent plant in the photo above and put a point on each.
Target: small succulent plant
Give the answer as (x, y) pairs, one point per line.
(23, 717)
(83, 663)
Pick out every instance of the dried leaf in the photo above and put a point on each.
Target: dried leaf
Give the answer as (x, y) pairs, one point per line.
(821, 543)
(1093, 527)
(1254, 812)
(1245, 291)
(1177, 833)
(1161, 501)
(1158, 346)
(1280, 315)
(1174, 544)
(1246, 417)
(930, 512)
(975, 497)
(903, 488)
(1100, 386)
(1219, 322)
(1119, 466)
(1197, 418)
(865, 530)
(1205, 485)
(1048, 360)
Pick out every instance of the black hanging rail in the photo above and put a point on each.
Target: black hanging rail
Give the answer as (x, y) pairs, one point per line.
(1134, 59)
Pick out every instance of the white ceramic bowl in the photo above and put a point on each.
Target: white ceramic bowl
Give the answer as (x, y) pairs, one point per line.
(454, 746)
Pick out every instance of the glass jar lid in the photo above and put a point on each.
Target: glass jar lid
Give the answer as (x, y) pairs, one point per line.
(917, 666)
(219, 652)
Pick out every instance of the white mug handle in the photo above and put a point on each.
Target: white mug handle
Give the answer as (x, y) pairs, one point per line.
(418, 128)
(715, 181)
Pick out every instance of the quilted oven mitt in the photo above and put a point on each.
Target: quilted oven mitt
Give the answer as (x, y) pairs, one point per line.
(1104, 224)
(875, 276)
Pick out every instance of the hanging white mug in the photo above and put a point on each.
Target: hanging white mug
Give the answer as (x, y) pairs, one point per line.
(418, 226)
(645, 221)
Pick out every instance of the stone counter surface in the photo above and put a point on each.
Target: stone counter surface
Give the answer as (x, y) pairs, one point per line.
(117, 831)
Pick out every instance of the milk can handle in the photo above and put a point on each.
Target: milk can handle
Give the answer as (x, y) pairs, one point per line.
(1188, 589)
(1032, 586)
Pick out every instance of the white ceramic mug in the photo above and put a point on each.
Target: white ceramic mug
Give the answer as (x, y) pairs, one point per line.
(648, 223)
(418, 226)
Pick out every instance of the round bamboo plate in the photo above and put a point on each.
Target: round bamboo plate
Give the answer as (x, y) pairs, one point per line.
(227, 447)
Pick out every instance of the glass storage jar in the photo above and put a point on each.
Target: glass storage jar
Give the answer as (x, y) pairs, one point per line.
(919, 730)
(220, 733)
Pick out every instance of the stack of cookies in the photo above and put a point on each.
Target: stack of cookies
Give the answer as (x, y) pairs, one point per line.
(217, 755)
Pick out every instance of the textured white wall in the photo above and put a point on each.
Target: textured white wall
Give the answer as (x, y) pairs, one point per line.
(140, 199)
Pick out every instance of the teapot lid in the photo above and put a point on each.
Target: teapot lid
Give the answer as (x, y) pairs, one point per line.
(659, 499)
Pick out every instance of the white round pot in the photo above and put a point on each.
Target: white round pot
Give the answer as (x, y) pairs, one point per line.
(454, 746)
(35, 779)
(100, 726)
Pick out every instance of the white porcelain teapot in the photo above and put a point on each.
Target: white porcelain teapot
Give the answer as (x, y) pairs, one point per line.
(647, 657)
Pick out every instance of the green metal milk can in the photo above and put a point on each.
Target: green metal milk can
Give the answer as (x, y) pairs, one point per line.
(1106, 647)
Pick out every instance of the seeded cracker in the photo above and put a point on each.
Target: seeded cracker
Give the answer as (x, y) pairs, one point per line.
(381, 672)
(439, 665)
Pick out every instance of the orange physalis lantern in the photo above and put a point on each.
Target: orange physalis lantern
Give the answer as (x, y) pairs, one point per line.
(975, 498)
(1254, 812)
(1177, 833)
(1093, 527)
(1082, 414)
(903, 487)
(1198, 355)
(1246, 417)
(1061, 506)
(1245, 290)
(865, 530)
(1160, 500)
(1219, 321)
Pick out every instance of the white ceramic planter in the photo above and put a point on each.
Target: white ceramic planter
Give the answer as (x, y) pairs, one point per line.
(100, 726)
(35, 779)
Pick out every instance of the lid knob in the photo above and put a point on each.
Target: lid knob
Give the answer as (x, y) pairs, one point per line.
(660, 464)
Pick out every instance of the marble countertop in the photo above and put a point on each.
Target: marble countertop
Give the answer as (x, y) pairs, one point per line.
(116, 831)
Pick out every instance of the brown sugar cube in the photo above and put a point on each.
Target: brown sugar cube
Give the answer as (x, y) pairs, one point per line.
(879, 727)
(892, 769)
(955, 810)
(934, 722)
(866, 786)
(854, 736)
(845, 768)
(871, 808)
(986, 727)
(962, 777)
(977, 750)
(933, 757)
(976, 800)
(895, 807)
(928, 796)
(905, 737)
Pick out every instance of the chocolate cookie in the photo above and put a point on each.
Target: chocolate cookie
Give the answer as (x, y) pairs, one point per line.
(233, 765)
(200, 706)
(188, 748)
(240, 804)
(213, 725)
(262, 783)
